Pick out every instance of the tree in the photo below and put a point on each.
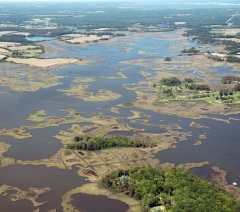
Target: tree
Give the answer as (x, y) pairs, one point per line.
(167, 59)
(237, 87)
(188, 80)
(173, 81)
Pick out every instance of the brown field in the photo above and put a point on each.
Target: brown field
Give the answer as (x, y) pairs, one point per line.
(19, 48)
(223, 56)
(3, 50)
(72, 35)
(8, 44)
(43, 63)
(6, 32)
(2, 57)
(21, 33)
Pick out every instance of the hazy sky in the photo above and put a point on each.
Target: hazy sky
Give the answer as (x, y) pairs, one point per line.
(124, 1)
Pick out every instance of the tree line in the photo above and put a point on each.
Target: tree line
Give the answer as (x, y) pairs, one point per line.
(15, 38)
(98, 143)
(192, 50)
(176, 190)
(233, 59)
(197, 87)
(230, 79)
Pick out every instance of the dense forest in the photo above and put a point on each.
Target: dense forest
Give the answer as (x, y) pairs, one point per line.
(97, 143)
(176, 190)
(15, 38)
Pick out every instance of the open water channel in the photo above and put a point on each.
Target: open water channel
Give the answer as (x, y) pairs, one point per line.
(221, 147)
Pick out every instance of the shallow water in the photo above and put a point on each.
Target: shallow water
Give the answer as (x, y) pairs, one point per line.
(41, 145)
(221, 148)
(39, 38)
(98, 203)
(24, 177)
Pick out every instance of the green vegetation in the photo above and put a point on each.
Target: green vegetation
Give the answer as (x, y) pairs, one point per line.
(232, 59)
(167, 59)
(238, 35)
(188, 80)
(199, 87)
(176, 190)
(192, 50)
(97, 143)
(230, 79)
(27, 53)
(198, 91)
(216, 58)
(173, 81)
(31, 53)
(15, 38)
(237, 87)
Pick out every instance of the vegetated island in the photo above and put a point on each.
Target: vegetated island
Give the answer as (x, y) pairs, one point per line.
(174, 190)
(194, 90)
(173, 94)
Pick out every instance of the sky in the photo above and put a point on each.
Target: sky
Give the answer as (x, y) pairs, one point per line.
(140, 1)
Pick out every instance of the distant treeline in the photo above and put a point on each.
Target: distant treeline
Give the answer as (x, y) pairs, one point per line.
(232, 59)
(192, 50)
(14, 38)
(39, 32)
(230, 79)
(197, 87)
